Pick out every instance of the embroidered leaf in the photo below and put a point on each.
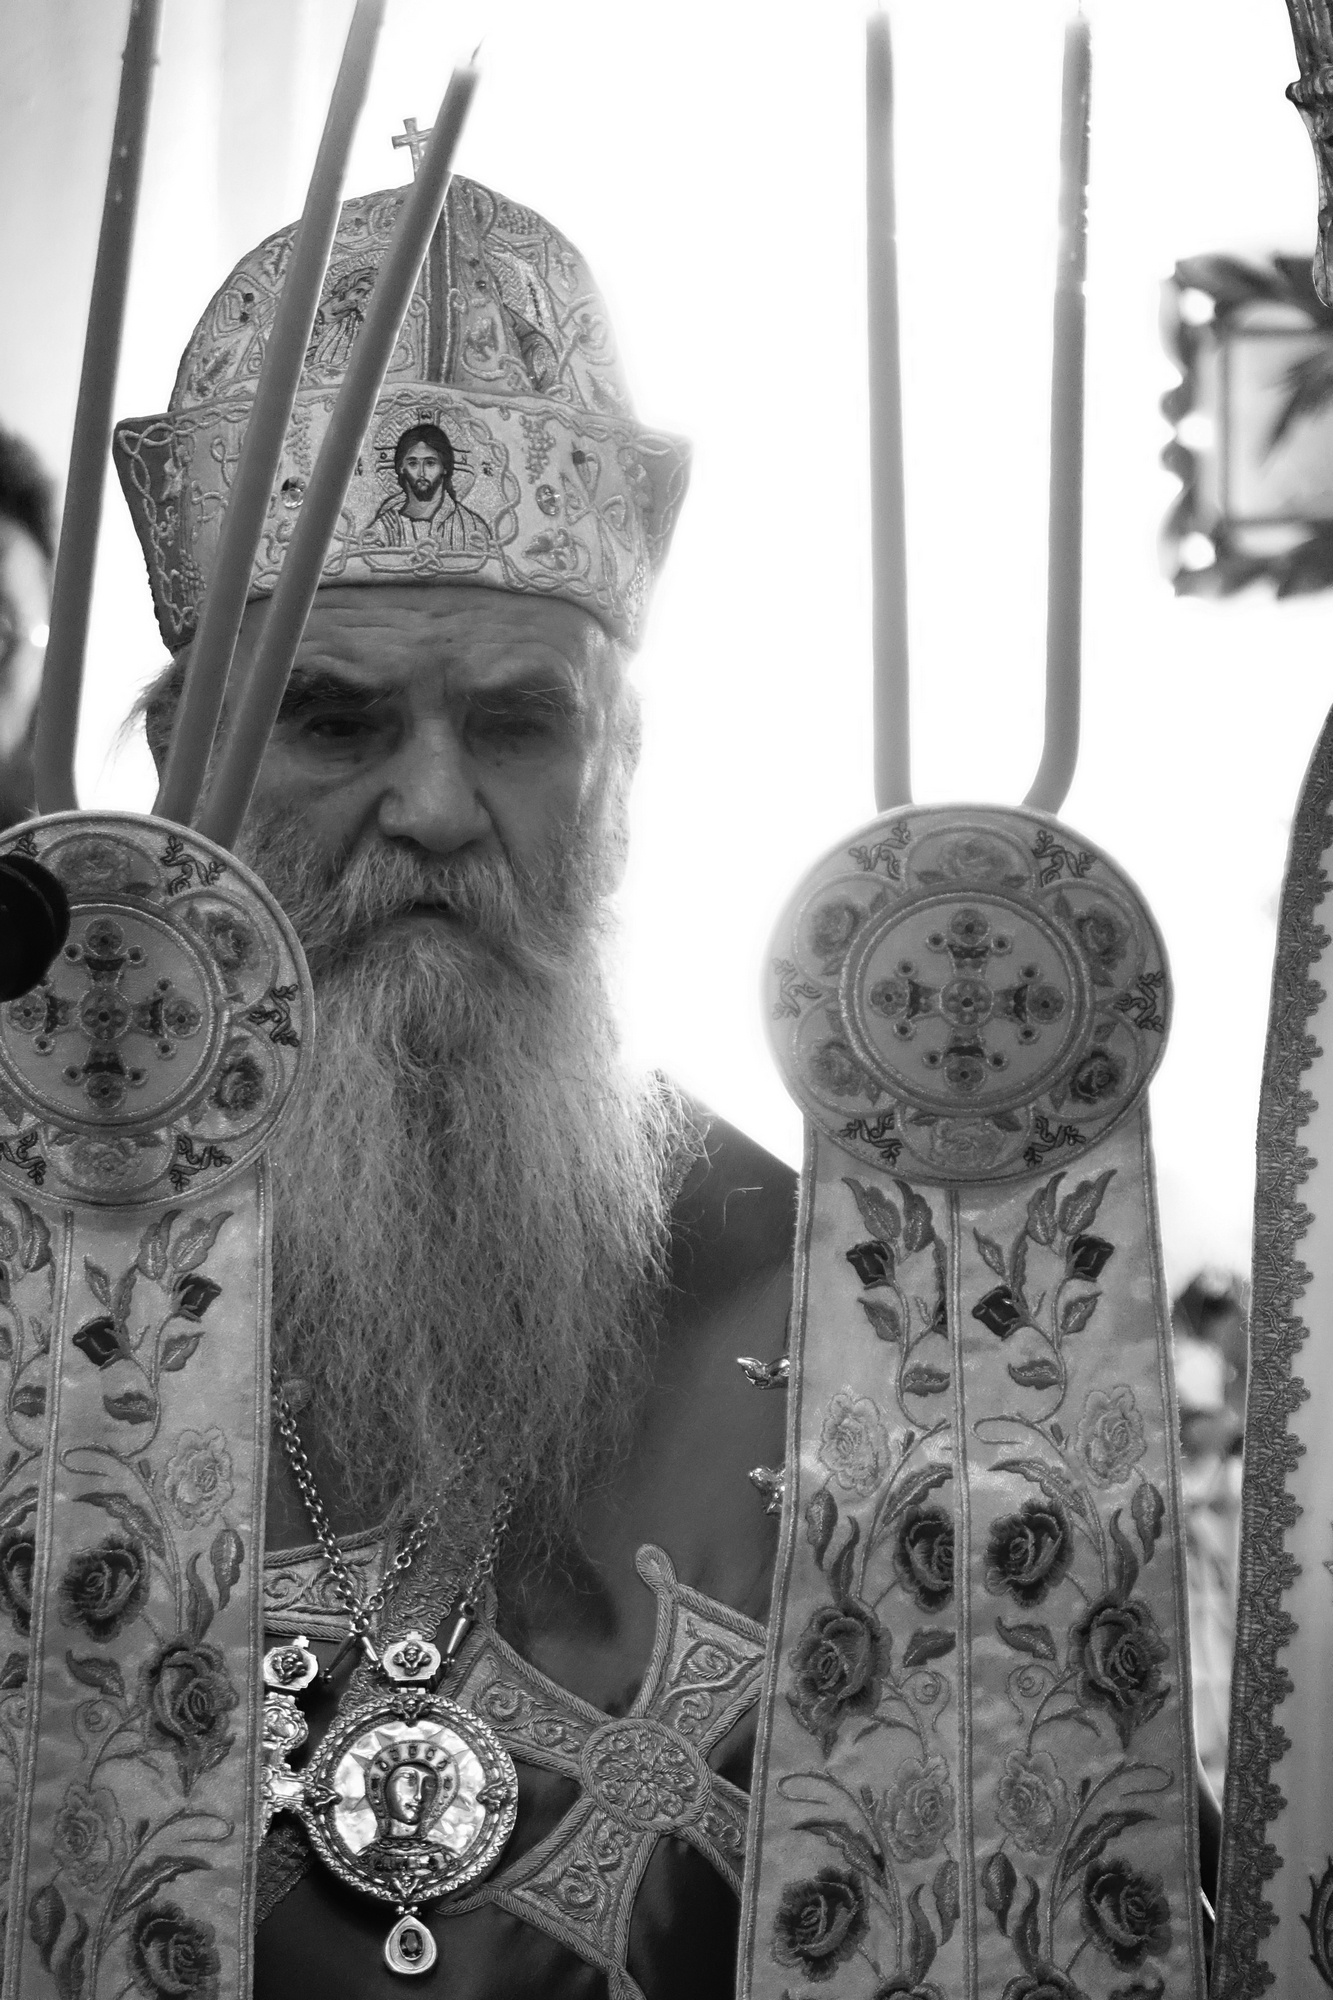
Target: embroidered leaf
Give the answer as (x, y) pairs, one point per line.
(46, 1916)
(178, 1351)
(123, 1295)
(1041, 1212)
(840, 1570)
(1018, 1264)
(1075, 1313)
(1126, 1562)
(98, 1282)
(130, 1515)
(915, 1488)
(226, 1555)
(1054, 1483)
(821, 1518)
(9, 1239)
(945, 1891)
(199, 1611)
(927, 1645)
(923, 1379)
(29, 1399)
(34, 1238)
(1057, 1432)
(1149, 1510)
(195, 1241)
(131, 1406)
(104, 1675)
(878, 1213)
(1034, 1640)
(886, 1320)
(851, 1843)
(1095, 1837)
(1042, 1371)
(1026, 1933)
(921, 1951)
(14, 1672)
(152, 1253)
(918, 1224)
(991, 1254)
(143, 1883)
(998, 1882)
(1078, 1210)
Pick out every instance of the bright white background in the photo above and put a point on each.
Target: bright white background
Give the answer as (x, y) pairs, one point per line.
(708, 158)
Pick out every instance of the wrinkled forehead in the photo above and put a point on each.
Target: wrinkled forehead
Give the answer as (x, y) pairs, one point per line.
(381, 634)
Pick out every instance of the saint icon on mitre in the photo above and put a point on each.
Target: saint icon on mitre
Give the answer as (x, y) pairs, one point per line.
(426, 509)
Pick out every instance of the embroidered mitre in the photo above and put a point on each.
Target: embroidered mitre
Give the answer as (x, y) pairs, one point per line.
(503, 449)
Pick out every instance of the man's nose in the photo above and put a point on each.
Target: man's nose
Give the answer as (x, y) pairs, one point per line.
(430, 792)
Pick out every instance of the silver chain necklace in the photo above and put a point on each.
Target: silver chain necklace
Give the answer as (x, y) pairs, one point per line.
(409, 1796)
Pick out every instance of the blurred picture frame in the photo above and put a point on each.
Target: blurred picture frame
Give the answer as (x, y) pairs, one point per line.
(1252, 427)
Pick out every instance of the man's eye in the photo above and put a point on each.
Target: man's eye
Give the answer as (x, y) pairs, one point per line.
(515, 726)
(335, 728)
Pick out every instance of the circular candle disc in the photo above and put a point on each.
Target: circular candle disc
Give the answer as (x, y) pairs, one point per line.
(966, 993)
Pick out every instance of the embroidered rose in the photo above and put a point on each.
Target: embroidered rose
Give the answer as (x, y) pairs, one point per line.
(198, 1482)
(963, 1143)
(1042, 1983)
(18, 1547)
(1125, 1914)
(240, 1085)
(192, 1295)
(837, 1666)
(88, 1835)
(91, 865)
(1098, 1076)
(1110, 1435)
(172, 1956)
(923, 1555)
(835, 1068)
(917, 1810)
(902, 1988)
(1118, 1653)
(1031, 1802)
(1103, 937)
(188, 1695)
(973, 857)
(1089, 1256)
(230, 941)
(820, 1922)
(999, 1312)
(100, 1340)
(853, 1445)
(104, 1587)
(1028, 1553)
(103, 1163)
(832, 928)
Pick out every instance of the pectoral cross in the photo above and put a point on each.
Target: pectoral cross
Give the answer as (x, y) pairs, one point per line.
(416, 141)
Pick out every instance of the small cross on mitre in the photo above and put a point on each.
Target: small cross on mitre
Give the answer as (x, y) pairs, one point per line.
(414, 140)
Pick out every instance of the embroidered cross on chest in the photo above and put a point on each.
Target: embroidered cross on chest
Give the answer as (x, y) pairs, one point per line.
(643, 1775)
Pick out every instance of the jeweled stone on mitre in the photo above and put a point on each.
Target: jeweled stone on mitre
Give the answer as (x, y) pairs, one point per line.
(503, 448)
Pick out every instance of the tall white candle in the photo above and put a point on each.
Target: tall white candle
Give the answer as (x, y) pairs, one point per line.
(888, 532)
(1064, 576)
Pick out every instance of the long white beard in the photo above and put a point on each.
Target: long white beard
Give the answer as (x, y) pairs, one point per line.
(473, 1196)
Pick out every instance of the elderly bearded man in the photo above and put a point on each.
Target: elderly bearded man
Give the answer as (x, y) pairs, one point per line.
(510, 1281)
